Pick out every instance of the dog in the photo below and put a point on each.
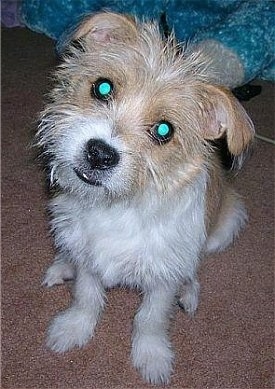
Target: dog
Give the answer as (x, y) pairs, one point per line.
(141, 194)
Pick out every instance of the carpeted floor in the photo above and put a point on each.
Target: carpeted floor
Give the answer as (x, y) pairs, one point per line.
(229, 343)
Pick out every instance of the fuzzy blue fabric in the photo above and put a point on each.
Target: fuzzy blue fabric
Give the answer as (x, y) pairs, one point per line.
(247, 27)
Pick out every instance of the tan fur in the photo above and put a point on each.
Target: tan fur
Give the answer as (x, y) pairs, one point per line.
(111, 27)
(216, 191)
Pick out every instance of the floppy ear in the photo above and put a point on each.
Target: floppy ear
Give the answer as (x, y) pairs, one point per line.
(224, 116)
(106, 27)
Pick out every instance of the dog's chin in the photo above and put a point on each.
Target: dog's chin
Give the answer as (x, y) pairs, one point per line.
(90, 177)
(86, 182)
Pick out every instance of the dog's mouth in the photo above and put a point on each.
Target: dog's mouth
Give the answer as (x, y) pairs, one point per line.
(90, 177)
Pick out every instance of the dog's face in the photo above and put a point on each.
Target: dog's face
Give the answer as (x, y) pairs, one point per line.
(131, 111)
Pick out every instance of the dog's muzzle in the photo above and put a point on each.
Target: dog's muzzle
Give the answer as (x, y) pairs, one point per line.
(99, 158)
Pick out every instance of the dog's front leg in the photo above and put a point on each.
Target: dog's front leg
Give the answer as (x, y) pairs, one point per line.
(75, 326)
(151, 349)
(60, 271)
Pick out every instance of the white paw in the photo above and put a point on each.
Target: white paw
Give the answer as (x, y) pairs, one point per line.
(153, 357)
(71, 328)
(59, 272)
(189, 302)
(189, 298)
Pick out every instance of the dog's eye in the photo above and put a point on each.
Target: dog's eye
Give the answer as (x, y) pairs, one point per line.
(162, 131)
(103, 89)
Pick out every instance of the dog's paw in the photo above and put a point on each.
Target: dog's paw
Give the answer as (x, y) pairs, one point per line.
(59, 272)
(189, 303)
(71, 328)
(153, 357)
(189, 298)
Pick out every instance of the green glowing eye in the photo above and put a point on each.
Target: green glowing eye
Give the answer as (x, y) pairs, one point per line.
(162, 131)
(103, 89)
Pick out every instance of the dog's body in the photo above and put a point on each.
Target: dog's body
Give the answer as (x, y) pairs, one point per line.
(143, 194)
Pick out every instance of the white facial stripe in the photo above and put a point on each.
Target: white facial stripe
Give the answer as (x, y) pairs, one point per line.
(88, 127)
(80, 130)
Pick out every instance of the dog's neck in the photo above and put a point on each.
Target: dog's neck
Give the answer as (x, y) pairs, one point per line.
(153, 196)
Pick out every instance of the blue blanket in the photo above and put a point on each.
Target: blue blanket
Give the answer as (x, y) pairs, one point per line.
(245, 28)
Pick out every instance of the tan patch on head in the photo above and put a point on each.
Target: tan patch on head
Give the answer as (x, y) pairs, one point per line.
(106, 27)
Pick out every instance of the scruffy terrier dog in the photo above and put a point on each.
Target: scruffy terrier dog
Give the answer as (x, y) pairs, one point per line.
(142, 194)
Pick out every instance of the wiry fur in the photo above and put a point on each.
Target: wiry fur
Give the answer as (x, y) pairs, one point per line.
(154, 214)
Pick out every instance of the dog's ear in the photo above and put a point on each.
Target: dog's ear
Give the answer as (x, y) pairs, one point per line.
(106, 27)
(224, 116)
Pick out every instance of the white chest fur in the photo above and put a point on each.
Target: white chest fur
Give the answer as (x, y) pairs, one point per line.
(132, 244)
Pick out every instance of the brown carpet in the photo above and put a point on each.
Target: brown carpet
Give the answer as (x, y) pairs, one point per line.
(229, 343)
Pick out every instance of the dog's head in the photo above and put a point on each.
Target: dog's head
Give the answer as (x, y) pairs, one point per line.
(131, 111)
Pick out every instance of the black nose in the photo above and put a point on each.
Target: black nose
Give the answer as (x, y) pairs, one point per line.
(101, 155)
